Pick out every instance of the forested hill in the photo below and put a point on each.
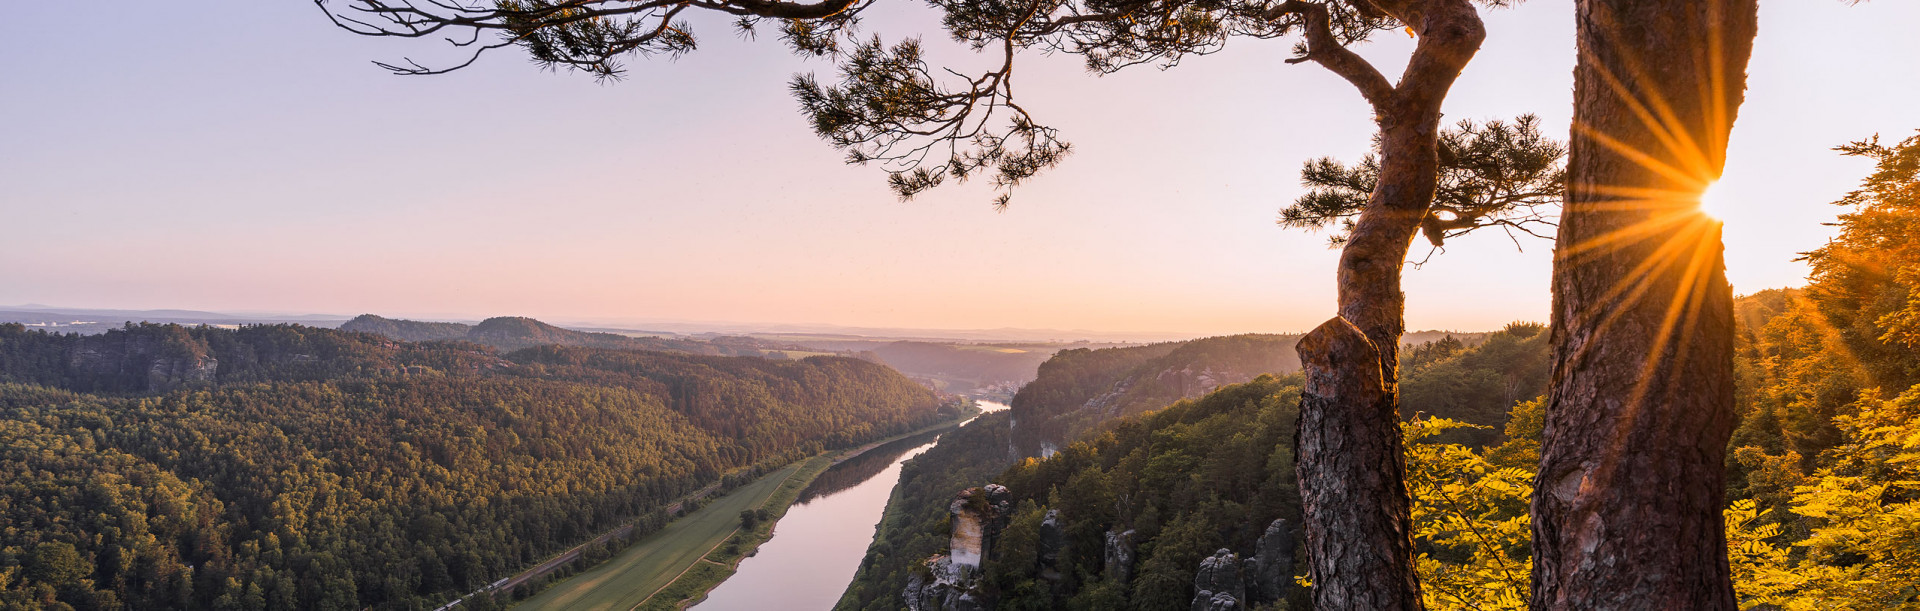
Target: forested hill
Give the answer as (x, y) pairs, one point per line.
(516, 332)
(1079, 389)
(289, 467)
(966, 367)
(1211, 472)
(154, 358)
(409, 330)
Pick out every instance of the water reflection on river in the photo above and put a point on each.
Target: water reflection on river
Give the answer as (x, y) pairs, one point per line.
(818, 545)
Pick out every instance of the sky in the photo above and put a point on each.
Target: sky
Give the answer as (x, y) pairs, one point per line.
(245, 156)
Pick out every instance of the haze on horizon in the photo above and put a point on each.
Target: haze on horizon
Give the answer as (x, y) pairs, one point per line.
(244, 156)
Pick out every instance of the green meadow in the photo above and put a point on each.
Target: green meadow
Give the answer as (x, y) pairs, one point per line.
(627, 580)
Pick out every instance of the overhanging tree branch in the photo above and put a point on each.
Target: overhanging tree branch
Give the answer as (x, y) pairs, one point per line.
(1322, 48)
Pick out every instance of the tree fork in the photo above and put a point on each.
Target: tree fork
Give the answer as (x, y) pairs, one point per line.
(1352, 469)
(1627, 504)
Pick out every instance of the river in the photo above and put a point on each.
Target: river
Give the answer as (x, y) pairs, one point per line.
(817, 547)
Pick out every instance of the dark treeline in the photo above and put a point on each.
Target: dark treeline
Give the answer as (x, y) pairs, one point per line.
(1476, 384)
(1823, 465)
(289, 467)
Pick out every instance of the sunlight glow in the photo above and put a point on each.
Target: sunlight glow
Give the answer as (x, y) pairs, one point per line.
(1714, 204)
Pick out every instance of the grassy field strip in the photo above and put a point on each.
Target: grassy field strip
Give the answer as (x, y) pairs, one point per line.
(683, 572)
(692, 585)
(555, 561)
(631, 577)
(666, 571)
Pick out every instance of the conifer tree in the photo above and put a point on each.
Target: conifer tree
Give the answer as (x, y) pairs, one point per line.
(926, 125)
(1627, 502)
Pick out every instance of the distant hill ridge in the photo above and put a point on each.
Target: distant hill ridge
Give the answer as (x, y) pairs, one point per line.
(517, 332)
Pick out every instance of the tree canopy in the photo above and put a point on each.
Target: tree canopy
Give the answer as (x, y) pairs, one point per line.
(318, 469)
(1492, 174)
(923, 124)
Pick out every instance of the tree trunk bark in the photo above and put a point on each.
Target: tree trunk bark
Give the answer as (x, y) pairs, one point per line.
(1627, 504)
(1352, 474)
(1349, 454)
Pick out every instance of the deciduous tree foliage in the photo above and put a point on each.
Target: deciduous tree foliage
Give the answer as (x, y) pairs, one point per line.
(1822, 470)
(1825, 459)
(916, 525)
(1188, 479)
(330, 470)
(1195, 477)
(1079, 390)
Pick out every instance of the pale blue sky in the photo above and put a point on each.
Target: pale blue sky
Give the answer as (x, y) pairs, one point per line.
(244, 155)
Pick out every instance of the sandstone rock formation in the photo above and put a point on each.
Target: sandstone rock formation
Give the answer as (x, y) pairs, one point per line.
(148, 361)
(944, 587)
(952, 581)
(1270, 570)
(979, 514)
(1217, 584)
(1119, 556)
(1052, 537)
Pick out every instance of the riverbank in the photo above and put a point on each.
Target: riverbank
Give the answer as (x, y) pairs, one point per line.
(720, 563)
(695, 553)
(823, 536)
(917, 506)
(634, 575)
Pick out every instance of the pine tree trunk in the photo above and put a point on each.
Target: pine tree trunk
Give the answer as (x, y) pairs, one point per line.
(1627, 504)
(1349, 454)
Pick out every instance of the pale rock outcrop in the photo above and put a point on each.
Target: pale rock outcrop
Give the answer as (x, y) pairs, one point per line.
(979, 514)
(1052, 537)
(944, 587)
(1119, 556)
(951, 581)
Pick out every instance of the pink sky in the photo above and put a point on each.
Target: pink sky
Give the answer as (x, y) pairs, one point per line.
(245, 156)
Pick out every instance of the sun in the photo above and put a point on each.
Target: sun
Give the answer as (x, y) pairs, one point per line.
(1714, 204)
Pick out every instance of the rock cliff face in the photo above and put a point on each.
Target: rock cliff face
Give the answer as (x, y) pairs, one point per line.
(1217, 585)
(951, 582)
(979, 514)
(1119, 556)
(944, 587)
(1270, 570)
(150, 362)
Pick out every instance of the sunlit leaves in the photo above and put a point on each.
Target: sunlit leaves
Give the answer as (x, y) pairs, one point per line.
(1863, 551)
(1470, 522)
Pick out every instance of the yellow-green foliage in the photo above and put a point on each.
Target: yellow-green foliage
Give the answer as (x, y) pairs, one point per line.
(1469, 519)
(1826, 463)
(1863, 551)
